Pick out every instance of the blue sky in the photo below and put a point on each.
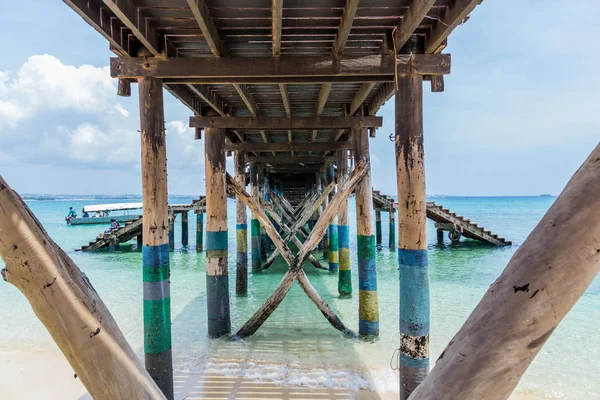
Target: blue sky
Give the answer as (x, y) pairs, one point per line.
(519, 115)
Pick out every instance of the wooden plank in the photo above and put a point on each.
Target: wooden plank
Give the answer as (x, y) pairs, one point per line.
(291, 160)
(287, 147)
(411, 21)
(276, 80)
(276, 19)
(345, 26)
(437, 83)
(285, 99)
(360, 97)
(519, 312)
(322, 99)
(283, 123)
(211, 98)
(319, 68)
(453, 16)
(134, 19)
(383, 94)
(247, 98)
(207, 26)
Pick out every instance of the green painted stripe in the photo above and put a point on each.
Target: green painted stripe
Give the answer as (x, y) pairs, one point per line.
(157, 325)
(254, 227)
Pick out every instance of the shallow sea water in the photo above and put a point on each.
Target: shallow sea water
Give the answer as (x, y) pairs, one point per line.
(297, 346)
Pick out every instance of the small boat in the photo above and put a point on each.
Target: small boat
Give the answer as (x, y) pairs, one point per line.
(102, 214)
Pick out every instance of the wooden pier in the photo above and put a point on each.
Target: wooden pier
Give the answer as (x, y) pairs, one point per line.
(134, 228)
(293, 87)
(445, 221)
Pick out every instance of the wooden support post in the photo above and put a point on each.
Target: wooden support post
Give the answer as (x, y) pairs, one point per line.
(368, 301)
(334, 257)
(184, 228)
(254, 223)
(543, 280)
(345, 270)
(140, 241)
(392, 232)
(263, 234)
(64, 300)
(241, 229)
(267, 198)
(440, 235)
(217, 280)
(155, 253)
(113, 245)
(319, 184)
(199, 230)
(325, 240)
(171, 220)
(378, 239)
(412, 239)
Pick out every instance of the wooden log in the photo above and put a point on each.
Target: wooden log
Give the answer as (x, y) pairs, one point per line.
(184, 228)
(64, 300)
(412, 239)
(543, 280)
(241, 232)
(285, 123)
(368, 301)
(217, 280)
(345, 269)
(155, 253)
(319, 69)
(254, 223)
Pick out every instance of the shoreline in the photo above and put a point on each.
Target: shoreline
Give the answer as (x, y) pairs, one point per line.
(48, 376)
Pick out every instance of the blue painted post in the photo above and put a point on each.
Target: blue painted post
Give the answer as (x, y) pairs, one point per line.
(378, 238)
(184, 228)
(412, 239)
(241, 232)
(199, 230)
(317, 215)
(392, 235)
(155, 250)
(368, 301)
(254, 223)
(171, 231)
(325, 240)
(217, 280)
(345, 271)
(334, 257)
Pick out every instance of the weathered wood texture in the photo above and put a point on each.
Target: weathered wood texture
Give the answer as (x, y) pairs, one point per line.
(521, 309)
(241, 286)
(322, 69)
(64, 300)
(284, 123)
(287, 147)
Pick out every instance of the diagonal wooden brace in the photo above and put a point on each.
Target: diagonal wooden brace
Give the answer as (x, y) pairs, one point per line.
(295, 271)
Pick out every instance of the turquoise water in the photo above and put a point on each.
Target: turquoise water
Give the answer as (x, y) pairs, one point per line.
(297, 345)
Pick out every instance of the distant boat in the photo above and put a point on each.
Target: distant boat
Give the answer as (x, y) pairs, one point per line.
(100, 214)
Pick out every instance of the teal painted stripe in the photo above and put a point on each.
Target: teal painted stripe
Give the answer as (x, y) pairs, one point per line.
(367, 267)
(254, 227)
(333, 235)
(343, 236)
(414, 292)
(345, 282)
(368, 328)
(417, 258)
(216, 241)
(241, 226)
(155, 263)
(415, 363)
(157, 325)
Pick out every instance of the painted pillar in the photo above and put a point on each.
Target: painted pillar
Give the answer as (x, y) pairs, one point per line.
(319, 185)
(155, 250)
(324, 206)
(217, 281)
(392, 235)
(267, 198)
(263, 233)
(440, 235)
(345, 271)
(412, 239)
(368, 301)
(334, 257)
(184, 228)
(171, 231)
(378, 227)
(241, 229)
(254, 224)
(199, 230)
(140, 241)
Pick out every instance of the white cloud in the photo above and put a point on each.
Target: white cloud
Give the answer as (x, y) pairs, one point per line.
(181, 142)
(44, 82)
(121, 110)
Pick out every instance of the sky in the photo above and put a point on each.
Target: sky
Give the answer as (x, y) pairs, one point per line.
(519, 114)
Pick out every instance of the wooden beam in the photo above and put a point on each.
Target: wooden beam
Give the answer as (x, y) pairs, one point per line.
(546, 276)
(319, 68)
(134, 19)
(276, 80)
(453, 16)
(276, 19)
(287, 147)
(207, 26)
(211, 98)
(345, 26)
(437, 83)
(322, 99)
(247, 98)
(411, 21)
(360, 97)
(286, 99)
(283, 123)
(383, 94)
(291, 160)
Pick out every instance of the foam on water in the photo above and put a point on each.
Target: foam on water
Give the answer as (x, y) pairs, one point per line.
(296, 345)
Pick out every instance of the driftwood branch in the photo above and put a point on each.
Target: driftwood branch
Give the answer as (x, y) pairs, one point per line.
(66, 303)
